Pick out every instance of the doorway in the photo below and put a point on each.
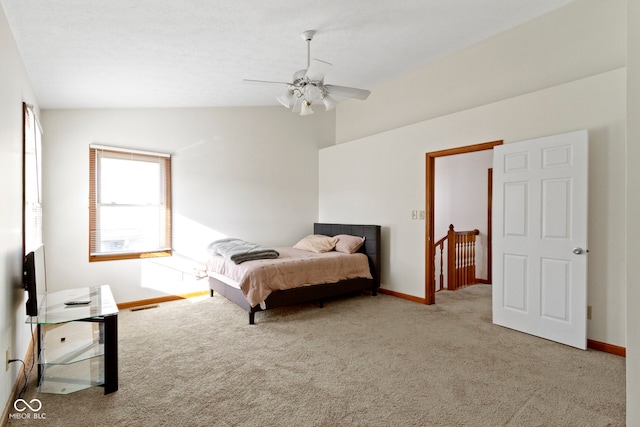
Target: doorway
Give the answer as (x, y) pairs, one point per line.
(430, 290)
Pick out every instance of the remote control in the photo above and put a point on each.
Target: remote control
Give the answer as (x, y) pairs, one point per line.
(84, 302)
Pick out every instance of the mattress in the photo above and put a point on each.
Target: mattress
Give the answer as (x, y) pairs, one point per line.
(293, 268)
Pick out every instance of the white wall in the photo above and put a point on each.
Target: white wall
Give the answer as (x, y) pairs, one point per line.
(584, 38)
(633, 214)
(15, 88)
(461, 199)
(240, 172)
(381, 178)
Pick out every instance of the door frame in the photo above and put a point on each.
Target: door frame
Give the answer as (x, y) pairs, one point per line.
(429, 284)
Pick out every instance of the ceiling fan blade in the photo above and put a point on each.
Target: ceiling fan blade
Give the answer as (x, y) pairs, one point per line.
(265, 81)
(317, 69)
(347, 92)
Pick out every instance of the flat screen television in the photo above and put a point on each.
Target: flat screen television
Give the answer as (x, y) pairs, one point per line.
(35, 280)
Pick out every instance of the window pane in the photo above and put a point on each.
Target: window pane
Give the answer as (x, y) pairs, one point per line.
(129, 182)
(130, 228)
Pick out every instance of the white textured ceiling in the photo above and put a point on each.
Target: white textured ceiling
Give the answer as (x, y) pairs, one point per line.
(193, 53)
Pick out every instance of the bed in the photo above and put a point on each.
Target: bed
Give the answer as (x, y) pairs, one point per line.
(229, 288)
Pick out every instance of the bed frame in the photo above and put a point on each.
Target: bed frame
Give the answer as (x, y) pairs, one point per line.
(319, 293)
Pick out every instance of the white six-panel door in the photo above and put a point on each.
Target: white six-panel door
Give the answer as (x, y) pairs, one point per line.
(540, 237)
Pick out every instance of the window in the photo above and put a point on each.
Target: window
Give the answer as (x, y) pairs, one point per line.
(32, 180)
(129, 204)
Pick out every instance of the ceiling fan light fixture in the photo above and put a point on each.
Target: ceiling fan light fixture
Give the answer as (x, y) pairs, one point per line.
(329, 102)
(305, 108)
(311, 92)
(286, 99)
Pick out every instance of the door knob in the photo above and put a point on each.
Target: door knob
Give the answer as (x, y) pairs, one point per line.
(578, 251)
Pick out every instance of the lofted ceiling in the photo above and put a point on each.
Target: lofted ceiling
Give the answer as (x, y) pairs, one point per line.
(196, 53)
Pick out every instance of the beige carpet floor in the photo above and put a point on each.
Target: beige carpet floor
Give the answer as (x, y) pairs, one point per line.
(359, 361)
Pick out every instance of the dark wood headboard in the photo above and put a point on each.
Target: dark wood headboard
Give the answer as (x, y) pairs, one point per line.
(371, 247)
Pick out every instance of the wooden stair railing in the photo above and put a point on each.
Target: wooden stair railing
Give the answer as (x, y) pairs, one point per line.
(461, 258)
(440, 244)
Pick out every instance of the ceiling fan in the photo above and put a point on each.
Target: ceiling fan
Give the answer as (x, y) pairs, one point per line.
(308, 85)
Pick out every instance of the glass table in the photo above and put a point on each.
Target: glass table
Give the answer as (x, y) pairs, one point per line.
(77, 344)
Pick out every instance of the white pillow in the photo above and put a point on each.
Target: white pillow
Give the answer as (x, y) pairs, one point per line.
(316, 243)
(349, 244)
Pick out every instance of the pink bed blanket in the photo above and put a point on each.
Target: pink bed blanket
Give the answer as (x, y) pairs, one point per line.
(294, 268)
